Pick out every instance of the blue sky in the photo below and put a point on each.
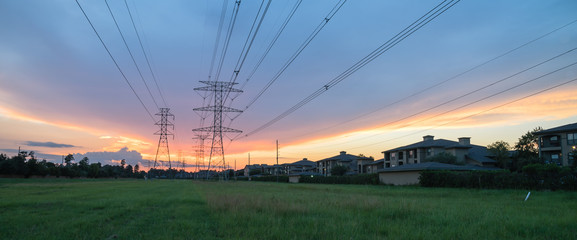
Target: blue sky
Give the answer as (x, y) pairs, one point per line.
(58, 85)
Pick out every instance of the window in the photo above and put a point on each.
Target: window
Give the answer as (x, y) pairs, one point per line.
(429, 151)
(571, 138)
(555, 158)
(401, 155)
(554, 140)
(411, 154)
(393, 156)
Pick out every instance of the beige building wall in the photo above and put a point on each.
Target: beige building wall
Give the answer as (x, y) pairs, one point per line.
(294, 179)
(400, 178)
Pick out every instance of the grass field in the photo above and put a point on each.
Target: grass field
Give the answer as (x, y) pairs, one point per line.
(167, 209)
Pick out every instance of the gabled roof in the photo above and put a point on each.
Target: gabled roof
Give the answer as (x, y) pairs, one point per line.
(437, 143)
(304, 162)
(480, 154)
(380, 161)
(565, 128)
(435, 166)
(344, 157)
(475, 152)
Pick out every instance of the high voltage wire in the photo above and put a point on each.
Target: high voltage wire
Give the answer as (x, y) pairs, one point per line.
(444, 81)
(227, 39)
(248, 43)
(476, 101)
(481, 112)
(130, 53)
(477, 90)
(115, 63)
(272, 43)
(489, 85)
(419, 23)
(322, 24)
(145, 55)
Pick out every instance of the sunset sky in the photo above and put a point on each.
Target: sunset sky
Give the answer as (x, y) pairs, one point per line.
(489, 70)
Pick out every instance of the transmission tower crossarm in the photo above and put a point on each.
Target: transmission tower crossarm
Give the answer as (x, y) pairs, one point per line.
(217, 108)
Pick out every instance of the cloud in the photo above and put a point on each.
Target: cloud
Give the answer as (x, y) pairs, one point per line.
(48, 144)
(131, 157)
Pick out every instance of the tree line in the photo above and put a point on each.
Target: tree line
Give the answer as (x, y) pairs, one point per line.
(26, 164)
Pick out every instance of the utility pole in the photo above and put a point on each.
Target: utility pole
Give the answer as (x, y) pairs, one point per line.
(276, 160)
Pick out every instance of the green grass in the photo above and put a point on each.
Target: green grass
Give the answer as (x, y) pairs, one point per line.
(136, 209)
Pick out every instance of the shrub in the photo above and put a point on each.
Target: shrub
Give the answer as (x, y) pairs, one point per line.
(365, 179)
(534, 176)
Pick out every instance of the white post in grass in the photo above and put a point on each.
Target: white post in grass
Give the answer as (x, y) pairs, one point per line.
(528, 194)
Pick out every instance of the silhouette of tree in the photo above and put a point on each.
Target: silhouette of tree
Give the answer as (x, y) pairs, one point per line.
(68, 159)
(500, 150)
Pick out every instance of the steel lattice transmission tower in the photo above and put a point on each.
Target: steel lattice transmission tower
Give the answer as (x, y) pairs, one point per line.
(199, 150)
(219, 90)
(164, 124)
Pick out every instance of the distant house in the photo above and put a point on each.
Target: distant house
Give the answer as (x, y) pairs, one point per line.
(275, 169)
(254, 169)
(374, 167)
(353, 163)
(409, 174)
(420, 152)
(558, 145)
(301, 166)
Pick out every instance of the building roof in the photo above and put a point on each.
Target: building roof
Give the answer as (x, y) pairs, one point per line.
(344, 157)
(476, 153)
(565, 128)
(304, 162)
(437, 143)
(380, 161)
(435, 166)
(480, 154)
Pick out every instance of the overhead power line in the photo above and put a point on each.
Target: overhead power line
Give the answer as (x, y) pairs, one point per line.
(492, 84)
(307, 41)
(481, 112)
(228, 36)
(272, 43)
(130, 53)
(145, 55)
(444, 81)
(409, 30)
(248, 43)
(115, 63)
(477, 90)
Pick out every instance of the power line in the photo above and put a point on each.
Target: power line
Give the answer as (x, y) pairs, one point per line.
(307, 41)
(479, 89)
(272, 43)
(145, 55)
(492, 84)
(130, 53)
(481, 112)
(228, 37)
(248, 43)
(419, 23)
(217, 40)
(444, 81)
(115, 63)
